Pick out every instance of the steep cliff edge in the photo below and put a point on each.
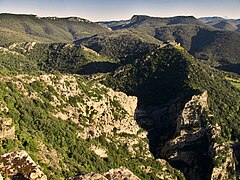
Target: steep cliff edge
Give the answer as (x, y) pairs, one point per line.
(188, 108)
(71, 126)
(181, 132)
(193, 149)
(188, 150)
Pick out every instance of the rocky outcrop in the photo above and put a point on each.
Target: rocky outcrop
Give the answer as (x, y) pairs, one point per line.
(129, 103)
(23, 46)
(175, 130)
(236, 152)
(7, 51)
(114, 174)
(3, 107)
(99, 151)
(100, 110)
(191, 117)
(160, 122)
(195, 147)
(191, 132)
(48, 156)
(96, 109)
(106, 112)
(223, 156)
(7, 128)
(224, 162)
(19, 163)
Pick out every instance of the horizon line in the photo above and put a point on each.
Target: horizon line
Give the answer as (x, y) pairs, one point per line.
(69, 16)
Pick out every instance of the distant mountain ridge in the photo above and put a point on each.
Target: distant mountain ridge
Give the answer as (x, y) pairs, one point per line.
(216, 43)
(222, 23)
(211, 39)
(210, 19)
(18, 28)
(138, 19)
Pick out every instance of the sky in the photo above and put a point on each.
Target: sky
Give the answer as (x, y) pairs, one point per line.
(101, 10)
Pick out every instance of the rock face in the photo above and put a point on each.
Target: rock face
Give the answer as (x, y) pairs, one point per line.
(7, 128)
(19, 163)
(104, 119)
(93, 107)
(160, 122)
(223, 155)
(99, 151)
(181, 133)
(3, 108)
(192, 111)
(188, 150)
(102, 112)
(24, 46)
(7, 51)
(236, 152)
(193, 148)
(114, 174)
(89, 50)
(225, 169)
(191, 132)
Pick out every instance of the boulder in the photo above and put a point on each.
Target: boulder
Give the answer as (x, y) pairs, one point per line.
(20, 163)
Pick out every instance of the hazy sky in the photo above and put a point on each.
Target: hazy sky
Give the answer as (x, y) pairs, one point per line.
(96, 10)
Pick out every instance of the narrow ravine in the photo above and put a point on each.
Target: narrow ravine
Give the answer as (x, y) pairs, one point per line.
(177, 132)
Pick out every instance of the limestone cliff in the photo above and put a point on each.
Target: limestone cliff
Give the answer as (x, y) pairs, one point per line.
(93, 107)
(191, 131)
(23, 47)
(101, 120)
(223, 156)
(194, 149)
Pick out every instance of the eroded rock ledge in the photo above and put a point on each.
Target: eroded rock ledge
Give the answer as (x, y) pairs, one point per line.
(195, 149)
(182, 133)
(188, 150)
(19, 163)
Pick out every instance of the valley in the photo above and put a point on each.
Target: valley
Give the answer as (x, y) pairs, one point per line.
(145, 98)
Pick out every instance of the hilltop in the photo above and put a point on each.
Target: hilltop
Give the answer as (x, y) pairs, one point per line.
(18, 28)
(205, 42)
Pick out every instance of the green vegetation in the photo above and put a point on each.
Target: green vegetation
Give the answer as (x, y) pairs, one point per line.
(53, 57)
(125, 45)
(36, 125)
(153, 77)
(222, 23)
(17, 63)
(216, 47)
(63, 57)
(168, 74)
(19, 28)
(234, 82)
